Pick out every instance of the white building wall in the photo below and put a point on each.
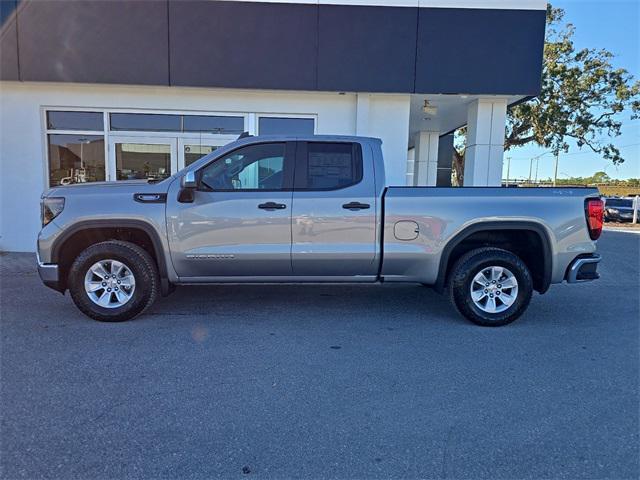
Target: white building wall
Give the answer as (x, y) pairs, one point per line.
(23, 150)
(389, 120)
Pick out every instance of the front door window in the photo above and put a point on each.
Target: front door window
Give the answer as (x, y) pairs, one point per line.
(255, 167)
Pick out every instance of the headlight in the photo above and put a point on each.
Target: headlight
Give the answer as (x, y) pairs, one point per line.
(613, 210)
(51, 207)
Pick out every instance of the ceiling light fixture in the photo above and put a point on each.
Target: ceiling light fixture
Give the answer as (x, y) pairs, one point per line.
(429, 109)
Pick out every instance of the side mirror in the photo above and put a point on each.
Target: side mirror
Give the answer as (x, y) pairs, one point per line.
(188, 184)
(189, 180)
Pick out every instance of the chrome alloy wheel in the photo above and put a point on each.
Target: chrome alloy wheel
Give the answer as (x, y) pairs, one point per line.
(494, 289)
(109, 283)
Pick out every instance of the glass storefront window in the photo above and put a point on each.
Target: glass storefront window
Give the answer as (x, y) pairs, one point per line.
(177, 123)
(93, 121)
(213, 124)
(76, 159)
(196, 152)
(140, 161)
(286, 126)
(145, 122)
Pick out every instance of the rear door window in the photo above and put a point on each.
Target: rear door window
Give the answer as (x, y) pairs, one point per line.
(328, 165)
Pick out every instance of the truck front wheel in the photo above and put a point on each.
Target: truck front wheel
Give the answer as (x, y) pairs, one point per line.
(113, 281)
(490, 286)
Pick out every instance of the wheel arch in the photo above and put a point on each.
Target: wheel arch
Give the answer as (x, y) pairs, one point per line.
(82, 234)
(463, 242)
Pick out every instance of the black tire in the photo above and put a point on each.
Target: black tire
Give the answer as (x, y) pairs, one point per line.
(473, 262)
(142, 266)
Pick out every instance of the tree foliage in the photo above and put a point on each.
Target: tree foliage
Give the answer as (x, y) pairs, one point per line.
(582, 98)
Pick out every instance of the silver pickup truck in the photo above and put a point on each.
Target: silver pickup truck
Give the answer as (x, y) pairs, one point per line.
(312, 209)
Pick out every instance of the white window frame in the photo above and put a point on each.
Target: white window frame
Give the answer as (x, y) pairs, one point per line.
(251, 125)
(49, 131)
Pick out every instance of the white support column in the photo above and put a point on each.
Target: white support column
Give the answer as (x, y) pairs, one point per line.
(411, 157)
(486, 121)
(425, 166)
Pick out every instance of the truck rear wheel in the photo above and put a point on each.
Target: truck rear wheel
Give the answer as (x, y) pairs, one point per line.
(113, 281)
(490, 286)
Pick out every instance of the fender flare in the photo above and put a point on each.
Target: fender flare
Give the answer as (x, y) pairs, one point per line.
(492, 226)
(128, 223)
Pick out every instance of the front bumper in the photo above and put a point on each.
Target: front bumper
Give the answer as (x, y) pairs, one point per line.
(49, 274)
(583, 269)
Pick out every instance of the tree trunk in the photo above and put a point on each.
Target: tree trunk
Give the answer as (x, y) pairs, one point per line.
(458, 169)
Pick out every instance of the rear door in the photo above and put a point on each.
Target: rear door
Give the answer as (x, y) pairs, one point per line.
(334, 211)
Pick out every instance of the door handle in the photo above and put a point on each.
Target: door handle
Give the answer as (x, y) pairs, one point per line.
(353, 206)
(272, 206)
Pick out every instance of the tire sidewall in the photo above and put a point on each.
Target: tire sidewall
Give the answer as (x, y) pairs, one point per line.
(113, 251)
(468, 269)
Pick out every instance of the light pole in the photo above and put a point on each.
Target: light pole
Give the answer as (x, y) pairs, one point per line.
(555, 175)
(537, 159)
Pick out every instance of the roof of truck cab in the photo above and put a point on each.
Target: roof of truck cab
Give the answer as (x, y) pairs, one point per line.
(305, 138)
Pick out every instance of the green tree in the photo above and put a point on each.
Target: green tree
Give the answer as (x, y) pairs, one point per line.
(600, 177)
(581, 99)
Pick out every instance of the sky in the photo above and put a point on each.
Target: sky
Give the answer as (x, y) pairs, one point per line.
(610, 24)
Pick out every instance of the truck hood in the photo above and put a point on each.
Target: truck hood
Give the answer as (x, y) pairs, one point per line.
(107, 188)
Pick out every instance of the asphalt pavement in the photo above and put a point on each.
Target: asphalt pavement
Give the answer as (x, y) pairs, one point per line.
(323, 382)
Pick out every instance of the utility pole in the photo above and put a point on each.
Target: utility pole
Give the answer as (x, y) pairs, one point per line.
(508, 168)
(530, 168)
(537, 165)
(555, 175)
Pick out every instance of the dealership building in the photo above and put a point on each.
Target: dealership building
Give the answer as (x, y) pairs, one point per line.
(122, 89)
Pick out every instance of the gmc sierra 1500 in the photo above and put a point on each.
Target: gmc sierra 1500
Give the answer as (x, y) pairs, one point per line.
(312, 209)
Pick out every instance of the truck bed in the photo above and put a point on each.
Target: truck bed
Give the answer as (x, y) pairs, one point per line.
(422, 223)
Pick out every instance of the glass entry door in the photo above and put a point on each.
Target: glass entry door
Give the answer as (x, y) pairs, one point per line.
(192, 149)
(135, 157)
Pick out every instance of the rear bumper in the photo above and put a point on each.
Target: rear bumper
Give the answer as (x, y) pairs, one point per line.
(583, 269)
(49, 274)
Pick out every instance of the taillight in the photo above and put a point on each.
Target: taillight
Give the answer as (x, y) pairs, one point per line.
(594, 209)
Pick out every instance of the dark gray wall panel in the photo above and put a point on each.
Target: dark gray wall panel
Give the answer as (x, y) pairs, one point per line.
(367, 48)
(243, 45)
(479, 51)
(97, 41)
(273, 46)
(8, 41)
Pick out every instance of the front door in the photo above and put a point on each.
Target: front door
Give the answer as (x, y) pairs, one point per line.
(239, 224)
(138, 157)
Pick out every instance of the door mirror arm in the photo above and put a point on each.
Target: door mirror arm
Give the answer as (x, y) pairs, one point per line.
(188, 186)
